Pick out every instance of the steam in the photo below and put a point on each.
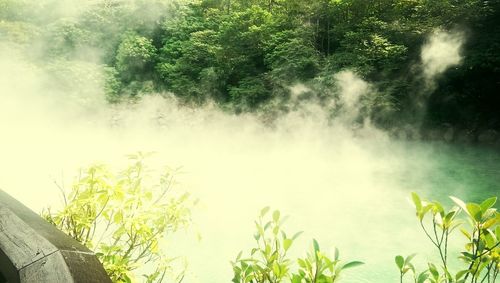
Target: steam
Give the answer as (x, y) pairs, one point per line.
(351, 89)
(330, 182)
(343, 100)
(441, 52)
(342, 189)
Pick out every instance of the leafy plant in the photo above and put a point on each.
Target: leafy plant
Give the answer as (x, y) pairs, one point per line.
(124, 218)
(482, 246)
(318, 267)
(404, 265)
(268, 262)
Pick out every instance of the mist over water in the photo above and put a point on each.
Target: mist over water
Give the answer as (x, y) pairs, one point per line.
(342, 187)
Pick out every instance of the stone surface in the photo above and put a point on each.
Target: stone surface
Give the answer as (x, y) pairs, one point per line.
(32, 250)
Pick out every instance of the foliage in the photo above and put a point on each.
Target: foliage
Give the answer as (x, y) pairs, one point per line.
(268, 262)
(481, 253)
(124, 218)
(245, 54)
(317, 267)
(404, 265)
(135, 56)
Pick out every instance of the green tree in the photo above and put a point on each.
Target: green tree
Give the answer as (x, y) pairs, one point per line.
(135, 57)
(291, 55)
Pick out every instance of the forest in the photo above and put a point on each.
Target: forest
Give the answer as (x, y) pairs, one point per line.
(245, 55)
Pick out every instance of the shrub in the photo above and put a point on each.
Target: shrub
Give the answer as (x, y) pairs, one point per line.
(124, 218)
(268, 261)
(481, 254)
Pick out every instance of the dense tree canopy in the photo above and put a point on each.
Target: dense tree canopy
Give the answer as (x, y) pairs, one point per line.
(244, 55)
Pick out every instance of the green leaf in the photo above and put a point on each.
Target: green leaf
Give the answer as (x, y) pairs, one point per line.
(302, 263)
(459, 202)
(490, 238)
(425, 209)
(422, 277)
(409, 258)
(433, 270)
(448, 274)
(485, 205)
(465, 233)
(276, 269)
(264, 211)
(276, 229)
(489, 213)
(489, 223)
(474, 211)
(416, 201)
(400, 261)
(297, 235)
(268, 224)
(119, 232)
(260, 230)
(468, 255)
(287, 243)
(256, 236)
(449, 217)
(438, 208)
(276, 215)
(315, 245)
(283, 234)
(352, 264)
(267, 249)
(460, 274)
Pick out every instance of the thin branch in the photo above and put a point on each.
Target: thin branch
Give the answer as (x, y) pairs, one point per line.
(427, 233)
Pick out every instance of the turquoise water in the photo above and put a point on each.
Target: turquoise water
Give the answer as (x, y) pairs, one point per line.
(468, 172)
(435, 171)
(354, 196)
